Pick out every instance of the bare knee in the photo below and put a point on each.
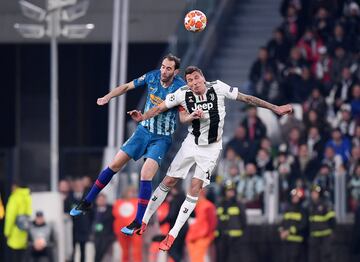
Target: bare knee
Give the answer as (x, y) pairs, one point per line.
(119, 161)
(170, 181)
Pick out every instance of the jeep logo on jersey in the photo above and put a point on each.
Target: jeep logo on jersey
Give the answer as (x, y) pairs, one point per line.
(203, 106)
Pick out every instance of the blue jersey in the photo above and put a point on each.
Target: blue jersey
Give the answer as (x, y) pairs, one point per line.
(164, 123)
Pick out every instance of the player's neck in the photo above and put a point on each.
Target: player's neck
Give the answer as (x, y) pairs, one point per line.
(166, 84)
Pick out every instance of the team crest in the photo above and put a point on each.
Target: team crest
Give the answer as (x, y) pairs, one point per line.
(172, 97)
(212, 97)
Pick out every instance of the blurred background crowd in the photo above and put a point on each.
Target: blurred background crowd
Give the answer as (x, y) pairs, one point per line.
(311, 158)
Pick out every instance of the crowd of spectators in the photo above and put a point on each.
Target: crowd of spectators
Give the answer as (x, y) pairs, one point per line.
(313, 62)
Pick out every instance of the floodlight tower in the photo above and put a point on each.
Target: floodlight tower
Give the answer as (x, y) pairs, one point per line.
(56, 11)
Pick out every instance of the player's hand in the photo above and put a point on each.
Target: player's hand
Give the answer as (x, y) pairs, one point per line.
(283, 110)
(103, 100)
(197, 114)
(136, 115)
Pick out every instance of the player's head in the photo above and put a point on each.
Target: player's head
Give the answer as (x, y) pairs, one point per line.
(195, 79)
(169, 68)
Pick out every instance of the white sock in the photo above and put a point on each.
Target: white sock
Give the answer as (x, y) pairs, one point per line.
(186, 209)
(156, 199)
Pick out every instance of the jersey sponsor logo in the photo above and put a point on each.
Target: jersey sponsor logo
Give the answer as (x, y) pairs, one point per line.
(155, 99)
(203, 106)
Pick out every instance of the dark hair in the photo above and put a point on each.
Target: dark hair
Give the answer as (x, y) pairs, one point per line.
(191, 69)
(173, 58)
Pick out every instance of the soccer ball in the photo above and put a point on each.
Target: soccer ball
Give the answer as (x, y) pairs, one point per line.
(195, 21)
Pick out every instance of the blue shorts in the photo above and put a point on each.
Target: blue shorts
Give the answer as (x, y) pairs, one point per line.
(145, 144)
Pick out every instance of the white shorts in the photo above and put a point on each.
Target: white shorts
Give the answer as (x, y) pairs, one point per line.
(205, 157)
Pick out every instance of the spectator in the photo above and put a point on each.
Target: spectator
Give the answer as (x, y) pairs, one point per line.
(41, 239)
(17, 221)
(231, 224)
(341, 92)
(262, 64)
(307, 167)
(292, 24)
(352, 20)
(340, 144)
(254, 125)
(202, 229)
(293, 228)
(323, 23)
(241, 145)
(294, 65)
(312, 119)
(344, 122)
(315, 143)
(293, 141)
(251, 187)
(322, 68)
(309, 45)
(264, 161)
(226, 164)
(339, 39)
(355, 247)
(354, 159)
(334, 161)
(284, 165)
(278, 48)
(81, 224)
(326, 180)
(124, 211)
(268, 88)
(288, 123)
(103, 228)
(355, 103)
(341, 60)
(316, 102)
(65, 192)
(322, 223)
(354, 187)
(356, 138)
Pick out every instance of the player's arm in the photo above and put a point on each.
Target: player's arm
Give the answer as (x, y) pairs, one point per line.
(118, 91)
(252, 100)
(186, 118)
(156, 110)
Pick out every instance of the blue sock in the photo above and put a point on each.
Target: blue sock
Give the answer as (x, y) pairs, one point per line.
(102, 180)
(144, 197)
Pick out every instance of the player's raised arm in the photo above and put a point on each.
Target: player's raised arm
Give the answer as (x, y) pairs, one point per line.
(118, 91)
(252, 100)
(156, 110)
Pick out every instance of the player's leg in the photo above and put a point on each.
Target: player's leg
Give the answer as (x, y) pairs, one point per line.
(134, 148)
(158, 198)
(148, 171)
(103, 179)
(178, 169)
(155, 153)
(205, 158)
(186, 209)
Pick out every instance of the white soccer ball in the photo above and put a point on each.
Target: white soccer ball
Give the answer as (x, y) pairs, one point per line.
(195, 21)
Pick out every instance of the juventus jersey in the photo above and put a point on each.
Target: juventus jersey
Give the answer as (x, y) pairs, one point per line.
(208, 129)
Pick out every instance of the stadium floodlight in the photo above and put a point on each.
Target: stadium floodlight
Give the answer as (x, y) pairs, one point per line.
(75, 11)
(32, 11)
(30, 30)
(56, 4)
(77, 31)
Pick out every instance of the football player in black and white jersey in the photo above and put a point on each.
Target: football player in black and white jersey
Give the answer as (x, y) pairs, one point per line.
(205, 104)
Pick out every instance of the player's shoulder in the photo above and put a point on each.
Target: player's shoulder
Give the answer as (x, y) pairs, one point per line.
(218, 85)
